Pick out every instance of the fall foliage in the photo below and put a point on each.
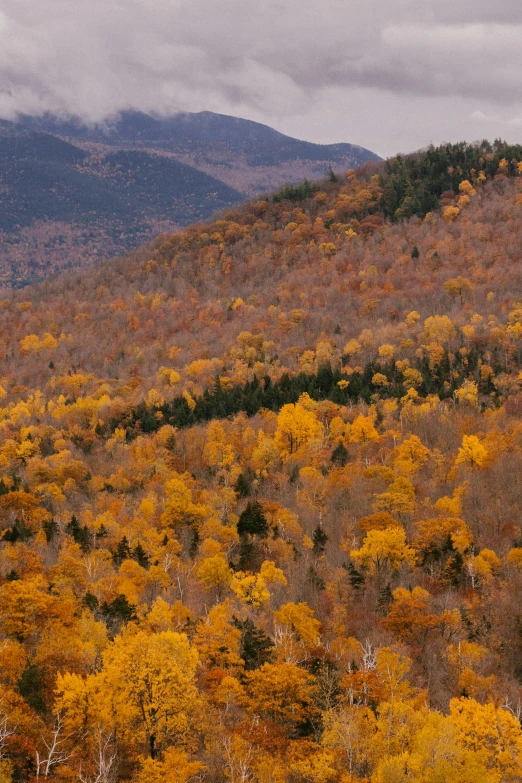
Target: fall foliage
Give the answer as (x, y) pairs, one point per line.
(260, 495)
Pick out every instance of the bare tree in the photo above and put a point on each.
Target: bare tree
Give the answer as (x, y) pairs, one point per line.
(55, 750)
(238, 761)
(105, 760)
(6, 731)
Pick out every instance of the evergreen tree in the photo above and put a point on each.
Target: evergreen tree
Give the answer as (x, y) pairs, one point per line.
(252, 521)
(50, 528)
(256, 647)
(140, 556)
(31, 686)
(320, 540)
(243, 484)
(340, 455)
(122, 552)
(80, 534)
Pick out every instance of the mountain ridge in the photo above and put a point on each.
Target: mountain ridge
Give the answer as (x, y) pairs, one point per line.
(70, 194)
(191, 126)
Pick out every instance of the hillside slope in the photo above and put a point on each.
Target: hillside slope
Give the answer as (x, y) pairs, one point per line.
(71, 194)
(260, 491)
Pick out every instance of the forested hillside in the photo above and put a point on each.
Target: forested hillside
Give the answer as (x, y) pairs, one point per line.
(260, 492)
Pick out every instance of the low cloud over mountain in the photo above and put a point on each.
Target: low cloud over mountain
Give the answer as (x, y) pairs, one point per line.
(325, 70)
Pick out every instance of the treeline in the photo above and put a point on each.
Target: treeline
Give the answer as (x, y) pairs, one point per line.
(376, 379)
(414, 184)
(299, 192)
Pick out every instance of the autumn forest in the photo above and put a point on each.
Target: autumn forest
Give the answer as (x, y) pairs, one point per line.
(261, 494)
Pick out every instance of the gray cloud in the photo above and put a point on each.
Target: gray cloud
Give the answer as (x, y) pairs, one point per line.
(329, 71)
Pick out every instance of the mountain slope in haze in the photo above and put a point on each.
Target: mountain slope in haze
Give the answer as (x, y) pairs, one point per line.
(70, 194)
(249, 156)
(44, 177)
(260, 495)
(61, 205)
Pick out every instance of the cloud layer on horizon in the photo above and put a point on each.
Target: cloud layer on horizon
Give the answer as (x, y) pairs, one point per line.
(388, 74)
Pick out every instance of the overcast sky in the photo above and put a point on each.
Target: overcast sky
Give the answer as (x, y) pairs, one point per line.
(391, 75)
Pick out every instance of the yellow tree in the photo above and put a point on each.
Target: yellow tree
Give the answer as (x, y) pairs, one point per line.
(265, 456)
(175, 767)
(316, 767)
(438, 328)
(433, 533)
(217, 639)
(384, 549)
(253, 588)
(25, 605)
(472, 452)
(399, 499)
(491, 732)
(180, 508)
(363, 431)
(214, 572)
(151, 677)
(300, 618)
(458, 287)
(468, 393)
(219, 454)
(411, 455)
(282, 692)
(296, 427)
(349, 730)
(437, 755)
(432, 754)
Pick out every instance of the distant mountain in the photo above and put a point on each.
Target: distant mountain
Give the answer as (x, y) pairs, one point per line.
(62, 205)
(224, 146)
(71, 193)
(44, 177)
